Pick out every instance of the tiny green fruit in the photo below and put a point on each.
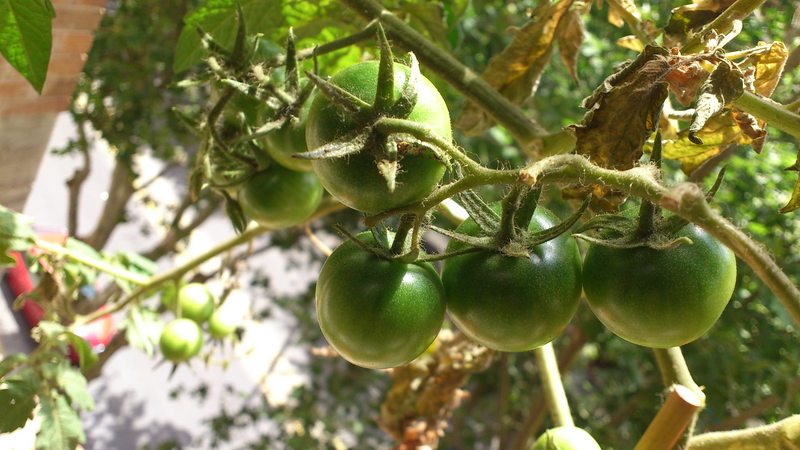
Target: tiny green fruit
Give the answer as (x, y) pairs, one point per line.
(196, 302)
(566, 438)
(180, 340)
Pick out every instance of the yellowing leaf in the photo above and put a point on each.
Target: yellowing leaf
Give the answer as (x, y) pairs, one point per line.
(515, 71)
(723, 86)
(769, 68)
(719, 132)
(623, 113)
(570, 36)
(631, 42)
(618, 8)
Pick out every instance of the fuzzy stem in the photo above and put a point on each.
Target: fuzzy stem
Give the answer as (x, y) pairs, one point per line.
(452, 71)
(98, 264)
(686, 200)
(783, 434)
(770, 111)
(722, 24)
(554, 394)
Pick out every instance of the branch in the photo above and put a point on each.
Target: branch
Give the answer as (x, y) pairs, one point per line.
(75, 183)
(674, 371)
(552, 386)
(672, 418)
(119, 193)
(781, 435)
(722, 24)
(770, 111)
(686, 200)
(470, 84)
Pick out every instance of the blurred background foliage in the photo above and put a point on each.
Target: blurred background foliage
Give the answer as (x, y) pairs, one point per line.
(748, 363)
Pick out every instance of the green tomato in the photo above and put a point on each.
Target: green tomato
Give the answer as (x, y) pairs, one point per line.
(660, 298)
(509, 303)
(222, 323)
(287, 140)
(279, 198)
(566, 438)
(378, 313)
(196, 302)
(180, 340)
(355, 180)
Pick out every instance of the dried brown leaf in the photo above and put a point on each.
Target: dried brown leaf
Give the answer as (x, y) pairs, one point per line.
(623, 113)
(725, 85)
(570, 34)
(515, 71)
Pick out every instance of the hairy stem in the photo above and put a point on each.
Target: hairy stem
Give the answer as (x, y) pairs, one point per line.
(722, 24)
(553, 389)
(773, 113)
(686, 200)
(781, 435)
(451, 70)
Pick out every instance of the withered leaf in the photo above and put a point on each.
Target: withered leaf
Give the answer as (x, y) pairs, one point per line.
(725, 85)
(688, 19)
(719, 132)
(631, 42)
(753, 128)
(769, 68)
(623, 113)
(617, 8)
(515, 71)
(794, 201)
(570, 34)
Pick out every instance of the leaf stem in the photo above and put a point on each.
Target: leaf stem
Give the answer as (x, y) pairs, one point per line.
(554, 394)
(452, 71)
(773, 113)
(722, 24)
(97, 264)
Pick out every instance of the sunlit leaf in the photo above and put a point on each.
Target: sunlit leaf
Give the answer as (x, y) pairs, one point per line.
(61, 427)
(515, 71)
(26, 37)
(15, 235)
(17, 400)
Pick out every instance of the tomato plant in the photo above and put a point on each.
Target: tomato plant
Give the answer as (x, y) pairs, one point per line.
(181, 340)
(222, 324)
(195, 301)
(660, 298)
(288, 140)
(566, 438)
(512, 303)
(378, 313)
(354, 180)
(278, 197)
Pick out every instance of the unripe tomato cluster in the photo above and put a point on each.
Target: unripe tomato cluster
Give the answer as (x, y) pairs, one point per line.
(194, 305)
(381, 313)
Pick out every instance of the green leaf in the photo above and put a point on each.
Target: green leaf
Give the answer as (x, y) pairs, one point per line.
(17, 400)
(142, 328)
(73, 383)
(82, 348)
(26, 37)
(15, 231)
(218, 18)
(10, 362)
(78, 274)
(61, 427)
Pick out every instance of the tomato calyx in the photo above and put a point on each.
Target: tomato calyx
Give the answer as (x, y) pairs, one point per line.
(386, 144)
(507, 233)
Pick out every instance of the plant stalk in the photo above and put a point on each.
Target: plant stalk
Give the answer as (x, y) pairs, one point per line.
(553, 389)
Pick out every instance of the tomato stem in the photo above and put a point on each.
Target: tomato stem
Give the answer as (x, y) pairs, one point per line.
(97, 264)
(671, 420)
(555, 396)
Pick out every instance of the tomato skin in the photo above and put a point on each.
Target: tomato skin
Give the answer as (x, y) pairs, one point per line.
(355, 180)
(287, 140)
(180, 340)
(514, 304)
(566, 438)
(660, 298)
(196, 302)
(279, 198)
(377, 313)
(221, 324)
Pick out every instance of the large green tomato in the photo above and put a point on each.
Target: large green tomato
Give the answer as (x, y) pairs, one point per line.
(180, 340)
(509, 303)
(279, 198)
(287, 140)
(566, 438)
(660, 298)
(355, 180)
(378, 313)
(196, 302)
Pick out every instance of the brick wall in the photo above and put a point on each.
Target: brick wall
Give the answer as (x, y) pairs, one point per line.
(26, 118)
